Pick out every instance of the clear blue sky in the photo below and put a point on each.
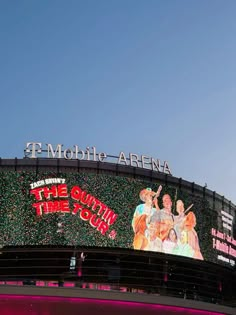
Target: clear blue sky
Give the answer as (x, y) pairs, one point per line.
(144, 76)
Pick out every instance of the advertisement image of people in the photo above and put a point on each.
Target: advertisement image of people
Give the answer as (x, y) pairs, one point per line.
(159, 229)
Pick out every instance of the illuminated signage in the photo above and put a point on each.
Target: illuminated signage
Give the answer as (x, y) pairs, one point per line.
(223, 242)
(55, 199)
(36, 149)
(227, 220)
(46, 208)
(154, 229)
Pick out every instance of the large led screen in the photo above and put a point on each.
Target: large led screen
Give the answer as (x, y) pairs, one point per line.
(85, 209)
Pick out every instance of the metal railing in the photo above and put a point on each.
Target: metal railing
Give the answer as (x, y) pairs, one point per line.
(119, 270)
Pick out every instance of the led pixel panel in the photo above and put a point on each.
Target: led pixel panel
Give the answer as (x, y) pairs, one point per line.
(86, 209)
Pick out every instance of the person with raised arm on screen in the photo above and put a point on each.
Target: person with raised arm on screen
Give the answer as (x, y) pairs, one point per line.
(164, 218)
(143, 214)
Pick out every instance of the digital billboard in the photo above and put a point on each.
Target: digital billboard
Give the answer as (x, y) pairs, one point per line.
(85, 209)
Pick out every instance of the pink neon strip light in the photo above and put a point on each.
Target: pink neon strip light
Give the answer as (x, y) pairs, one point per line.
(17, 305)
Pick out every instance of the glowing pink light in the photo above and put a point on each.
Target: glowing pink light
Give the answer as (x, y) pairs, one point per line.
(19, 283)
(68, 284)
(115, 306)
(79, 273)
(91, 286)
(40, 284)
(105, 287)
(165, 277)
(52, 284)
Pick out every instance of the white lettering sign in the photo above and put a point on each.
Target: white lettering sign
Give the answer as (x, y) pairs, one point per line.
(36, 149)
